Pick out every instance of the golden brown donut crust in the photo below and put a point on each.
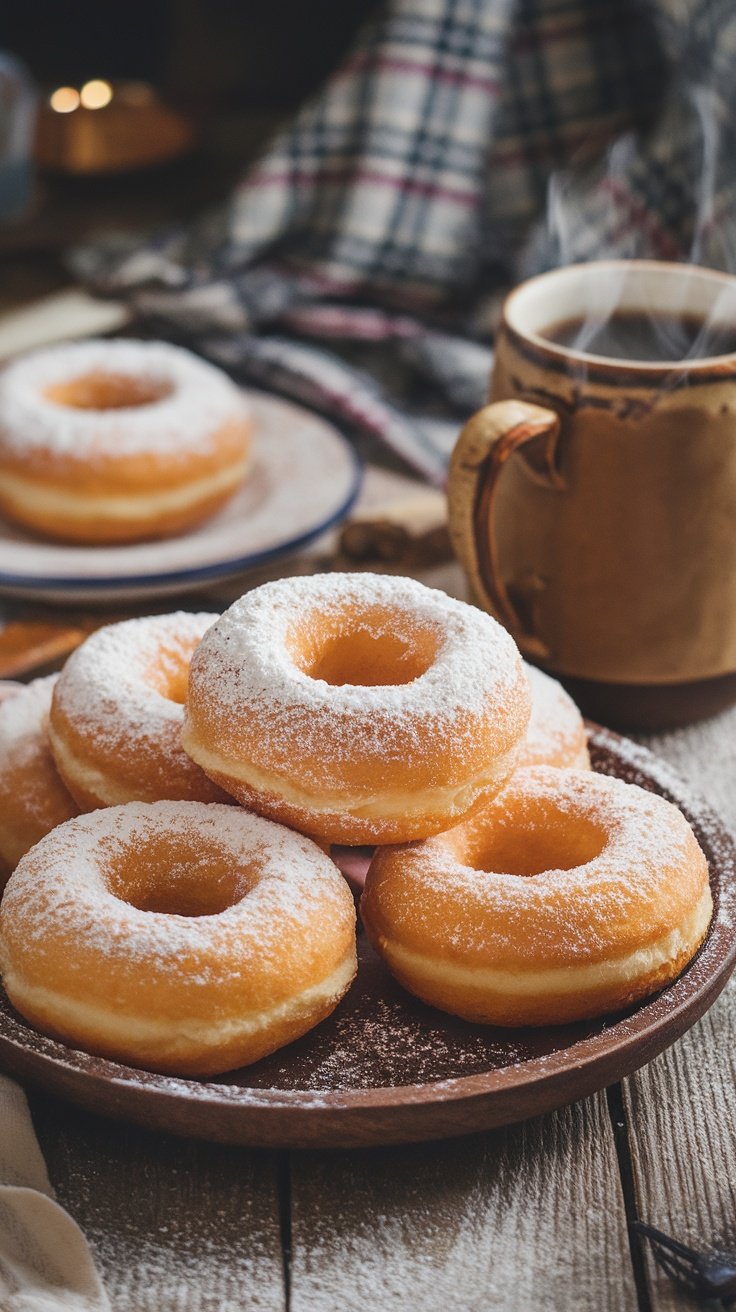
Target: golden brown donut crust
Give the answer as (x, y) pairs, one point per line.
(556, 733)
(33, 798)
(570, 895)
(180, 937)
(117, 714)
(360, 708)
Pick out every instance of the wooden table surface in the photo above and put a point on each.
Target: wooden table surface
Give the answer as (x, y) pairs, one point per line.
(533, 1217)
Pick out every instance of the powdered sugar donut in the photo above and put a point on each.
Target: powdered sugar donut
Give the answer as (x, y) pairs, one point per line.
(556, 733)
(33, 799)
(113, 441)
(184, 938)
(117, 714)
(572, 895)
(360, 708)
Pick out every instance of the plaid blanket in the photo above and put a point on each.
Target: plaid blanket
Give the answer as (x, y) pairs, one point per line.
(462, 144)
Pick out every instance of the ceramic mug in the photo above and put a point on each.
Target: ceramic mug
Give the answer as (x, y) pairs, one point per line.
(593, 502)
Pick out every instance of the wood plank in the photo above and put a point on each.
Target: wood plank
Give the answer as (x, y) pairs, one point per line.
(681, 1109)
(175, 1226)
(530, 1217)
(57, 317)
(705, 755)
(681, 1113)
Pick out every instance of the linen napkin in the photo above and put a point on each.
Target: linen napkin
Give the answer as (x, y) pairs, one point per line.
(45, 1261)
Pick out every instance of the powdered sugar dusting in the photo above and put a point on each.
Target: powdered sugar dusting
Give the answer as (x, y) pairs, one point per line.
(556, 734)
(398, 1031)
(244, 668)
(656, 773)
(59, 892)
(648, 872)
(30, 789)
(704, 754)
(107, 691)
(201, 400)
(380, 1036)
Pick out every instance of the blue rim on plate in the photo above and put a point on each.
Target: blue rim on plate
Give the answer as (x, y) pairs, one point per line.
(219, 569)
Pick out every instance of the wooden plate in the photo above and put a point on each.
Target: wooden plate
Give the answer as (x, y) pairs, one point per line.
(387, 1069)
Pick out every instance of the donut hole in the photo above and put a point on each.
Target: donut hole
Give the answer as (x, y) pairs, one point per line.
(176, 686)
(166, 875)
(169, 673)
(373, 652)
(100, 390)
(536, 842)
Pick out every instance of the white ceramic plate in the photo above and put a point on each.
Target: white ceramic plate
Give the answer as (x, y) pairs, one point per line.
(304, 478)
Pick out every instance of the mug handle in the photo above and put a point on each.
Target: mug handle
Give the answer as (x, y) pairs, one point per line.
(482, 449)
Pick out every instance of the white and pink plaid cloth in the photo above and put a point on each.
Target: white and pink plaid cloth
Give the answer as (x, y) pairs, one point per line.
(462, 144)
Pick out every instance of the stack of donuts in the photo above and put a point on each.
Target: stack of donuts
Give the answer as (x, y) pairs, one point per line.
(169, 802)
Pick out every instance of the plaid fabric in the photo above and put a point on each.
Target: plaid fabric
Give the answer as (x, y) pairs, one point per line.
(461, 144)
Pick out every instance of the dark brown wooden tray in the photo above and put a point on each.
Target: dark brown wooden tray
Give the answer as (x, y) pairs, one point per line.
(387, 1069)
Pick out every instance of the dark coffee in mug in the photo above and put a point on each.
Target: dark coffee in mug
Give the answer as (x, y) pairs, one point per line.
(645, 336)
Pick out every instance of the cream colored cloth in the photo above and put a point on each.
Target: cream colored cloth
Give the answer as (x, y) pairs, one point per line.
(45, 1261)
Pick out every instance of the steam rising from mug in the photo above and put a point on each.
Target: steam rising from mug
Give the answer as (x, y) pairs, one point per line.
(668, 194)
